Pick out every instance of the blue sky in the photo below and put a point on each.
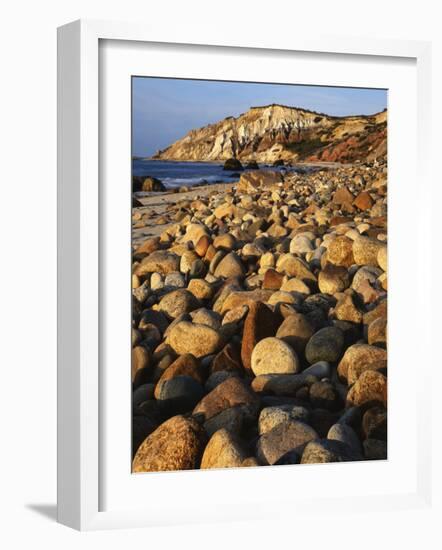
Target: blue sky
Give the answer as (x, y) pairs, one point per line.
(165, 109)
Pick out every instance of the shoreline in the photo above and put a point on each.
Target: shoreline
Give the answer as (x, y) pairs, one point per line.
(263, 164)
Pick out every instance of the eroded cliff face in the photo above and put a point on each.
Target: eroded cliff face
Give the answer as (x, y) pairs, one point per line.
(276, 132)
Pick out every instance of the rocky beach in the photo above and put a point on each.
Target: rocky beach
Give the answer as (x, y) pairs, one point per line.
(259, 331)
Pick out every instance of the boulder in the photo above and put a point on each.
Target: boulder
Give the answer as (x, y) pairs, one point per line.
(230, 266)
(301, 244)
(226, 241)
(296, 330)
(177, 444)
(194, 232)
(374, 423)
(356, 357)
(272, 280)
(274, 356)
(204, 316)
(261, 322)
(377, 332)
(230, 393)
(287, 436)
(228, 359)
(270, 417)
(369, 389)
(179, 394)
(141, 363)
(340, 251)
(345, 434)
(333, 279)
(147, 246)
(325, 345)
(346, 310)
(233, 164)
(147, 184)
(184, 365)
(231, 419)
(365, 251)
(292, 266)
(250, 182)
(282, 384)
(160, 261)
(222, 451)
(178, 302)
(328, 450)
(199, 340)
(201, 289)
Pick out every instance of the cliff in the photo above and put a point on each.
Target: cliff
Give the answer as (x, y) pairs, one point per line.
(277, 132)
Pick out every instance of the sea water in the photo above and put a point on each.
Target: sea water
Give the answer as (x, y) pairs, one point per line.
(177, 174)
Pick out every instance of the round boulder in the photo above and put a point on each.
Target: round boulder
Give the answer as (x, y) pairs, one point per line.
(230, 266)
(325, 345)
(274, 356)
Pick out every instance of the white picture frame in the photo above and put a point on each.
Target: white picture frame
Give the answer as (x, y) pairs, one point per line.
(80, 437)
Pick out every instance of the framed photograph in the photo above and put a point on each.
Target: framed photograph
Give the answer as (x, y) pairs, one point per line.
(239, 317)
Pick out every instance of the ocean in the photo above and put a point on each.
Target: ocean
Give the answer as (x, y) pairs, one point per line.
(178, 174)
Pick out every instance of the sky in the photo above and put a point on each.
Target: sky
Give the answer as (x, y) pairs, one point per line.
(165, 109)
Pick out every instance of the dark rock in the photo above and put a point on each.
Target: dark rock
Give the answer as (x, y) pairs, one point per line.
(375, 449)
(179, 394)
(143, 393)
(323, 395)
(233, 164)
(374, 423)
(325, 345)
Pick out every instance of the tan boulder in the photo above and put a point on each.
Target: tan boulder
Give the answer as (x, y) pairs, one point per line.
(177, 444)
